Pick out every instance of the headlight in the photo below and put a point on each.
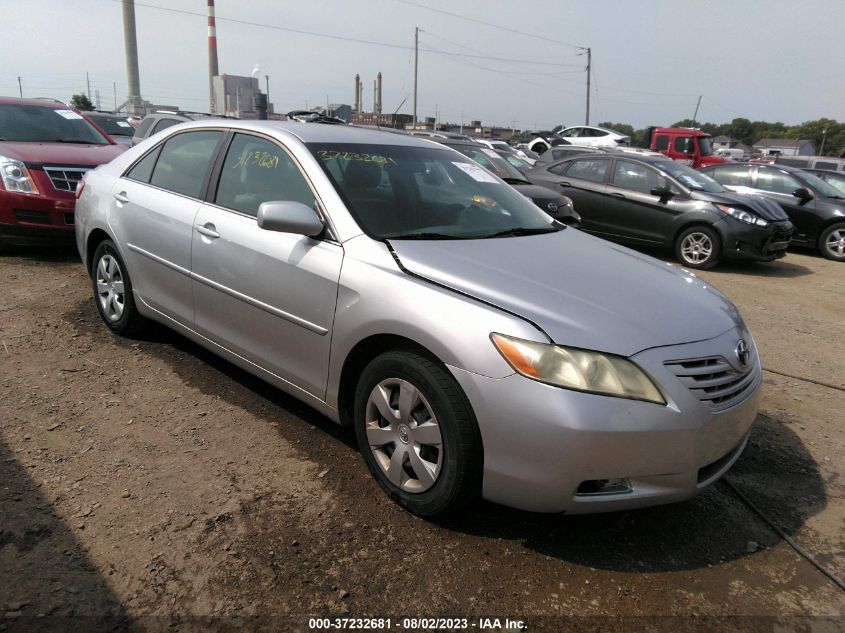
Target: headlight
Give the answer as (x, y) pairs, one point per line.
(743, 216)
(577, 369)
(16, 176)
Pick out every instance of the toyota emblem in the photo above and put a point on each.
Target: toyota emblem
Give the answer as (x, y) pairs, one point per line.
(552, 206)
(743, 353)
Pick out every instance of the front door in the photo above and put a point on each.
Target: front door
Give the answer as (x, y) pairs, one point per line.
(778, 185)
(267, 296)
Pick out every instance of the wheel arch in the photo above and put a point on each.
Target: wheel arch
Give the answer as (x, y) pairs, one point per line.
(94, 239)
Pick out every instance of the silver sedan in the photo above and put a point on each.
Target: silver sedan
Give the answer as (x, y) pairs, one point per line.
(478, 347)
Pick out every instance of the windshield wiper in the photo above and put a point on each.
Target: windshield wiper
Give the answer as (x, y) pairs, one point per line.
(77, 141)
(426, 235)
(520, 231)
(516, 181)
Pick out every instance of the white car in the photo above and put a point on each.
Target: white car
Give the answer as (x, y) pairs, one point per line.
(505, 147)
(594, 136)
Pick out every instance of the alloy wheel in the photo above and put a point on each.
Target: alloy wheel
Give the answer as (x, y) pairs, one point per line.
(696, 248)
(403, 435)
(835, 242)
(110, 287)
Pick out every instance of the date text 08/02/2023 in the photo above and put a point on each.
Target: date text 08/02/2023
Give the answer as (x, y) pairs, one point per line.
(418, 624)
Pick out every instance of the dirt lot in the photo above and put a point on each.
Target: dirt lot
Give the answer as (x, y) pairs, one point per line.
(146, 483)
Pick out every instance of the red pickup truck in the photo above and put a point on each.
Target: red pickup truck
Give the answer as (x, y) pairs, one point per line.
(687, 145)
(45, 148)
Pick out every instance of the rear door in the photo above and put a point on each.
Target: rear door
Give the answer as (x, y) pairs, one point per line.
(268, 296)
(152, 215)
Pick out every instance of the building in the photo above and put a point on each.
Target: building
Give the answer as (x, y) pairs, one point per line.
(240, 97)
(397, 121)
(785, 147)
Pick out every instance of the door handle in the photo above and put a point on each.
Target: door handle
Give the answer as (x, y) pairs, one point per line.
(618, 195)
(565, 184)
(121, 197)
(207, 230)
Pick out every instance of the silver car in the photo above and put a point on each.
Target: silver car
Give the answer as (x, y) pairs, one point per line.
(478, 347)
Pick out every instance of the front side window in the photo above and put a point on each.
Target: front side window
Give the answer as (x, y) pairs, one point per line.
(588, 169)
(635, 176)
(730, 175)
(257, 170)
(776, 181)
(184, 161)
(684, 145)
(689, 177)
(29, 123)
(411, 192)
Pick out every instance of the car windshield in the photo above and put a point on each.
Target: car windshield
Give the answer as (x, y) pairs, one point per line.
(824, 188)
(837, 181)
(689, 178)
(705, 146)
(31, 123)
(491, 161)
(113, 126)
(408, 192)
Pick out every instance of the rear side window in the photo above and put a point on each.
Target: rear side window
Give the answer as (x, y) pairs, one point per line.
(141, 132)
(143, 169)
(257, 170)
(662, 143)
(184, 161)
(730, 175)
(588, 169)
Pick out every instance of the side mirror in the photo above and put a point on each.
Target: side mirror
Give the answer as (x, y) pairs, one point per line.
(803, 194)
(289, 217)
(664, 193)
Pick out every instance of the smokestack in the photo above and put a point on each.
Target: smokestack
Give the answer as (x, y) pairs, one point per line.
(131, 47)
(378, 93)
(357, 93)
(212, 56)
(375, 96)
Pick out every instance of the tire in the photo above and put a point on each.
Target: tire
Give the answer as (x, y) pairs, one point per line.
(113, 290)
(439, 469)
(832, 242)
(698, 247)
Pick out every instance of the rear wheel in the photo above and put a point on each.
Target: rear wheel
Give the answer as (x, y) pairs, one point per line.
(417, 433)
(698, 247)
(832, 242)
(113, 290)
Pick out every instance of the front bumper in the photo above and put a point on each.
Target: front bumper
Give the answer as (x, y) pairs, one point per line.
(742, 241)
(36, 218)
(542, 442)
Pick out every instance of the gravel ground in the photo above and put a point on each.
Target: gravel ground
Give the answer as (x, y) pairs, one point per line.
(147, 485)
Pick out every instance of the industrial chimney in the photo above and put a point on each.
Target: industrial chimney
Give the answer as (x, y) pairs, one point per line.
(131, 46)
(378, 93)
(357, 93)
(212, 57)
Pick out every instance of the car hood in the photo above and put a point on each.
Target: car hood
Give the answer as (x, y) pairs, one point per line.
(580, 290)
(35, 154)
(765, 208)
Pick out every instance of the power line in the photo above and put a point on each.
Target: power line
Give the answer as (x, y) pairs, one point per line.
(490, 24)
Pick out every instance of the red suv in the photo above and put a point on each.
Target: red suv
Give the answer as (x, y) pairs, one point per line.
(45, 148)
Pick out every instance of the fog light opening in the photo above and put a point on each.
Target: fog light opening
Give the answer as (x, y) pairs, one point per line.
(593, 487)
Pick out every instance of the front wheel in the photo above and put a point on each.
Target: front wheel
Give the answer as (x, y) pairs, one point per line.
(417, 433)
(698, 247)
(832, 242)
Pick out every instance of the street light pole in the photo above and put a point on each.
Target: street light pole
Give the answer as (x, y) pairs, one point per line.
(416, 66)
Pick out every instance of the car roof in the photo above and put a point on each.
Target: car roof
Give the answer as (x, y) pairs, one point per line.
(53, 104)
(317, 132)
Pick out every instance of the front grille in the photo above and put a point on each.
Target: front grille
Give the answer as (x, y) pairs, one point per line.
(712, 380)
(33, 217)
(65, 178)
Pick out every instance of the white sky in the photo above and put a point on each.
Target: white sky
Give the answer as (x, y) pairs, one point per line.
(760, 59)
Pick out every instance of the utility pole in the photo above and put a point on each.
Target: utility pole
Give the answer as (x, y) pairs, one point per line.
(88, 81)
(695, 115)
(589, 63)
(824, 135)
(114, 84)
(97, 98)
(20, 87)
(462, 121)
(416, 66)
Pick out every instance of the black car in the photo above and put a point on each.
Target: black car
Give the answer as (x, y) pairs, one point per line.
(816, 208)
(115, 125)
(647, 199)
(549, 200)
(834, 178)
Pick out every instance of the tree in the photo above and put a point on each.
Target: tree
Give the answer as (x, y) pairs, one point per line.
(81, 102)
